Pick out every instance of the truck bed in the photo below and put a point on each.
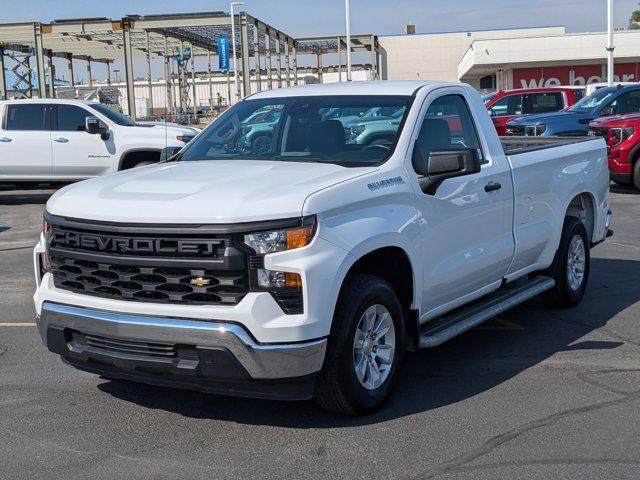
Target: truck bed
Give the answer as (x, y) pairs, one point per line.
(513, 145)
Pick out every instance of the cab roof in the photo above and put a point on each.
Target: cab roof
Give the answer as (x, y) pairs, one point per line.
(378, 87)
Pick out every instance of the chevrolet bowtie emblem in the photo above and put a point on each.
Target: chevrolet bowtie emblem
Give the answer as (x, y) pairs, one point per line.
(200, 282)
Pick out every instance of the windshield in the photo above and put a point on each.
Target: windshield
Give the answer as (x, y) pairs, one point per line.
(311, 129)
(593, 101)
(112, 115)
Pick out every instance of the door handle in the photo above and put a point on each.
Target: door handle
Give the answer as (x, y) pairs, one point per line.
(5, 140)
(61, 140)
(492, 186)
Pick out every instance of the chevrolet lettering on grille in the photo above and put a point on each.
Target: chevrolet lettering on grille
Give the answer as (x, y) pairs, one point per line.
(134, 245)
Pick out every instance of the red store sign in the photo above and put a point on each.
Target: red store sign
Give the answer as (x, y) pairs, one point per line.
(538, 77)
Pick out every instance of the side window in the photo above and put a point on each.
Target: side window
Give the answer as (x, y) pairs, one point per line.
(448, 125)
(509, 105)
(543, 102)
(628, 102)
(28, 117)
(71, 118)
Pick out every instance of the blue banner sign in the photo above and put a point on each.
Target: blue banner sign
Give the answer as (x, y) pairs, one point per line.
(223, 53)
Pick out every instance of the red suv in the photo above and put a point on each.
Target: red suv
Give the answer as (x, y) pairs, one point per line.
(508, 104)
(623, 144)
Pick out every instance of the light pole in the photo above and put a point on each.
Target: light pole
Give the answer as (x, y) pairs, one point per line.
(610, 46)
(347, 19)
(233, 43)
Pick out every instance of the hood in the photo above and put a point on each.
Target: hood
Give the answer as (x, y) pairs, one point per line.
(616, 120)
(162, 129)
(200, 192)
(560, 116)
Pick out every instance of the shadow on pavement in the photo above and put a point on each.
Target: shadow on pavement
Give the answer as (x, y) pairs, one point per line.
(468, 365)
(24, 198)
(624, 190)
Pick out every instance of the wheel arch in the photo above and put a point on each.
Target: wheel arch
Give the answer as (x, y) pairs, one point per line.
(126, 155)
(583, 207)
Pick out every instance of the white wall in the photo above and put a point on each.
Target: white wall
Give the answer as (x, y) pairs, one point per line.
(435, 56)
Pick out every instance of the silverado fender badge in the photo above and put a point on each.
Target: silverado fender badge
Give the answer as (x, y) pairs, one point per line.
(386, 183)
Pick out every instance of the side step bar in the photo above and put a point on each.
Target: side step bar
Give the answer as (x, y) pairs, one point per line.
(442, 329)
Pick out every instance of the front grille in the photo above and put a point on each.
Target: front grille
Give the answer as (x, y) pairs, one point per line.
(155, 284)
(117, 346)
(173, 268)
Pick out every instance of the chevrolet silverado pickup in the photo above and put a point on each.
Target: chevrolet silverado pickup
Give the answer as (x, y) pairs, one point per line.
(65, 140)
(308, 268)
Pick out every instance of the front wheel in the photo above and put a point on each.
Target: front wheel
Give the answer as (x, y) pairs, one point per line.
(365, 348)
(570, 268)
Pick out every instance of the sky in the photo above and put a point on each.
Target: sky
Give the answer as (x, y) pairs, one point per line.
(326, 17)
(304, 18)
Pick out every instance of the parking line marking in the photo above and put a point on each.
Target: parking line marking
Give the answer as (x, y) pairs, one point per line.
(17, 324)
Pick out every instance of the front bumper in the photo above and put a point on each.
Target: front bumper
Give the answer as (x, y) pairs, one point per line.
(214, 357)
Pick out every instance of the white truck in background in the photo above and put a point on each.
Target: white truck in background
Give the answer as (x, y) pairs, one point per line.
(65, 140)
(306, 268)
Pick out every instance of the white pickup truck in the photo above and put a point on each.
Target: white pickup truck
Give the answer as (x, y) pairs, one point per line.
(307, 268)
(64, 140)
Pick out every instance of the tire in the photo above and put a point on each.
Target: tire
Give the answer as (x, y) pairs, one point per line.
(338, 387)
(636, 174)
(569, 289)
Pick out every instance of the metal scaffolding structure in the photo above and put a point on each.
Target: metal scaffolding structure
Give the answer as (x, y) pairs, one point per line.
(31, 47)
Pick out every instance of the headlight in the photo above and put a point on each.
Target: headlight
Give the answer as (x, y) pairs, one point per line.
(280, 240)
(184, 138)
(618, 135)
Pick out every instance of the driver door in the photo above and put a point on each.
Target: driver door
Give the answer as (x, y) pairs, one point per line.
(465, 238)
(76, 153)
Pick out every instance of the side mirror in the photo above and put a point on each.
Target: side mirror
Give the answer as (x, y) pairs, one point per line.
(95, 126)
(443, 164)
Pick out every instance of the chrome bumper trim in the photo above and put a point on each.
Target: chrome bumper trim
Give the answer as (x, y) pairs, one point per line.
(261, 361)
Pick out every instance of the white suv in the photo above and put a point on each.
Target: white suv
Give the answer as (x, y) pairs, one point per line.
(62, 140)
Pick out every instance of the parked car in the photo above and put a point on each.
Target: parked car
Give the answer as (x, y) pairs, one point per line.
(509, 104)
(575, 120)
(65, 140)
(307, 270)
(621, 134)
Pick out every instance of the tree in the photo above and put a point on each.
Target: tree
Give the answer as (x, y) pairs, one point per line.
(634, 20)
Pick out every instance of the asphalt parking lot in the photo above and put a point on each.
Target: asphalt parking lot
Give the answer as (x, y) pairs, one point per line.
(533, 394)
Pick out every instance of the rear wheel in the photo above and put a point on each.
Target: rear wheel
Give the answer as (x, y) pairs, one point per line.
(570, 268)
(365, 348)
